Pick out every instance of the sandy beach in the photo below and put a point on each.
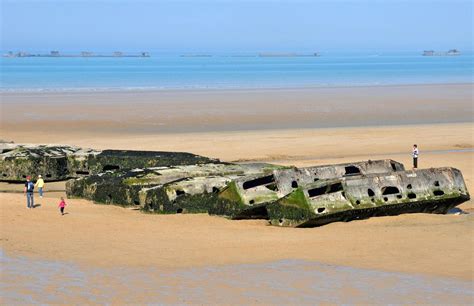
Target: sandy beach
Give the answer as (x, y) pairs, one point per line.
(290, 127)
(264, 92)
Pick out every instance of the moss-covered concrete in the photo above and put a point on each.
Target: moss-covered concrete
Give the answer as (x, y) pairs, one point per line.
(229, 202)
(17, 169)
(422, 191)
(63, 162)
(105, 189)
(127, 159)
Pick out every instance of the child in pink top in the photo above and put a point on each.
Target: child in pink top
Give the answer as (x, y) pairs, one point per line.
(61, 205)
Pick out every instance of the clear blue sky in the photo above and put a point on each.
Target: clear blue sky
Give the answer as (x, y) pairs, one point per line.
(224, 25)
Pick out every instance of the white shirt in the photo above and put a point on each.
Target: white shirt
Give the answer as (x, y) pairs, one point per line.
(415, 152)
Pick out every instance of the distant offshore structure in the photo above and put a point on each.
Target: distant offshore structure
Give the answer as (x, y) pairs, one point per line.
(196, 55)
(55, 53)
(82, 54)
(270, 54)
(451, 52)
(262, 54)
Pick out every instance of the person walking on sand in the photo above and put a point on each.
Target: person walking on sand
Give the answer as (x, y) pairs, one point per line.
(61, 205)
(29, 187)
(40, 184)
(415, 156)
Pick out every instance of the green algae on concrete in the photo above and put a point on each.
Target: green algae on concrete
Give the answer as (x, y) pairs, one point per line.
(161, 189)
(59, 162)
(49, 161)
(431, 191)
(251, 194)
(128, 159)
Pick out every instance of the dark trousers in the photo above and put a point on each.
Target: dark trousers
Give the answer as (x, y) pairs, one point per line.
(30, 202)
(415, 162)
(62, 210)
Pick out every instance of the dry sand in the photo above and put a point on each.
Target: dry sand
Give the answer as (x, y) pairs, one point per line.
(101, 235)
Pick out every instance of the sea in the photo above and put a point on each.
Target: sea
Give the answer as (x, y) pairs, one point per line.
(231, 71)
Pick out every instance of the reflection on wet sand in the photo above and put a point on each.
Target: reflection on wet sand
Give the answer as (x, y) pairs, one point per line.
(28, 280)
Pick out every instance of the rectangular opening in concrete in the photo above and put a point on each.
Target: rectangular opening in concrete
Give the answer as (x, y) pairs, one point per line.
(390, 190)
(394, 167)
(82, 172)
(352, 170)
(110, 167)
(324, 190)
(264, 180)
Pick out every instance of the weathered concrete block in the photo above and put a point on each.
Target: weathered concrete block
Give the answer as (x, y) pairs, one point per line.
(118, 187)
(62, 162)
(287, 196)
(126, 159)
(345, 199)
(160, 189)
(106, 189)
(246, 197)
(17, 162)
(189, 195)
(197, 192)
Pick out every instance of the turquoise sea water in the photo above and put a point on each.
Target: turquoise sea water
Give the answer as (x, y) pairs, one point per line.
(230, 71)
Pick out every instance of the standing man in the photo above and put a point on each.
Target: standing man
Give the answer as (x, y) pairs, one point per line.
(415, 156)
(29, 187)
(40, 185)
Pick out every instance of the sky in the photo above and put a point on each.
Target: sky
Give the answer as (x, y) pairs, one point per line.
(236, 26)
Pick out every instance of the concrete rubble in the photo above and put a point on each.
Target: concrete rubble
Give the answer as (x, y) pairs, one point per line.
(169, 183)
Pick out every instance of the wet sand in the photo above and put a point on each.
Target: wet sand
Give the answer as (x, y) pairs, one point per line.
(108, 237)
(283, 282)
(158, 112)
